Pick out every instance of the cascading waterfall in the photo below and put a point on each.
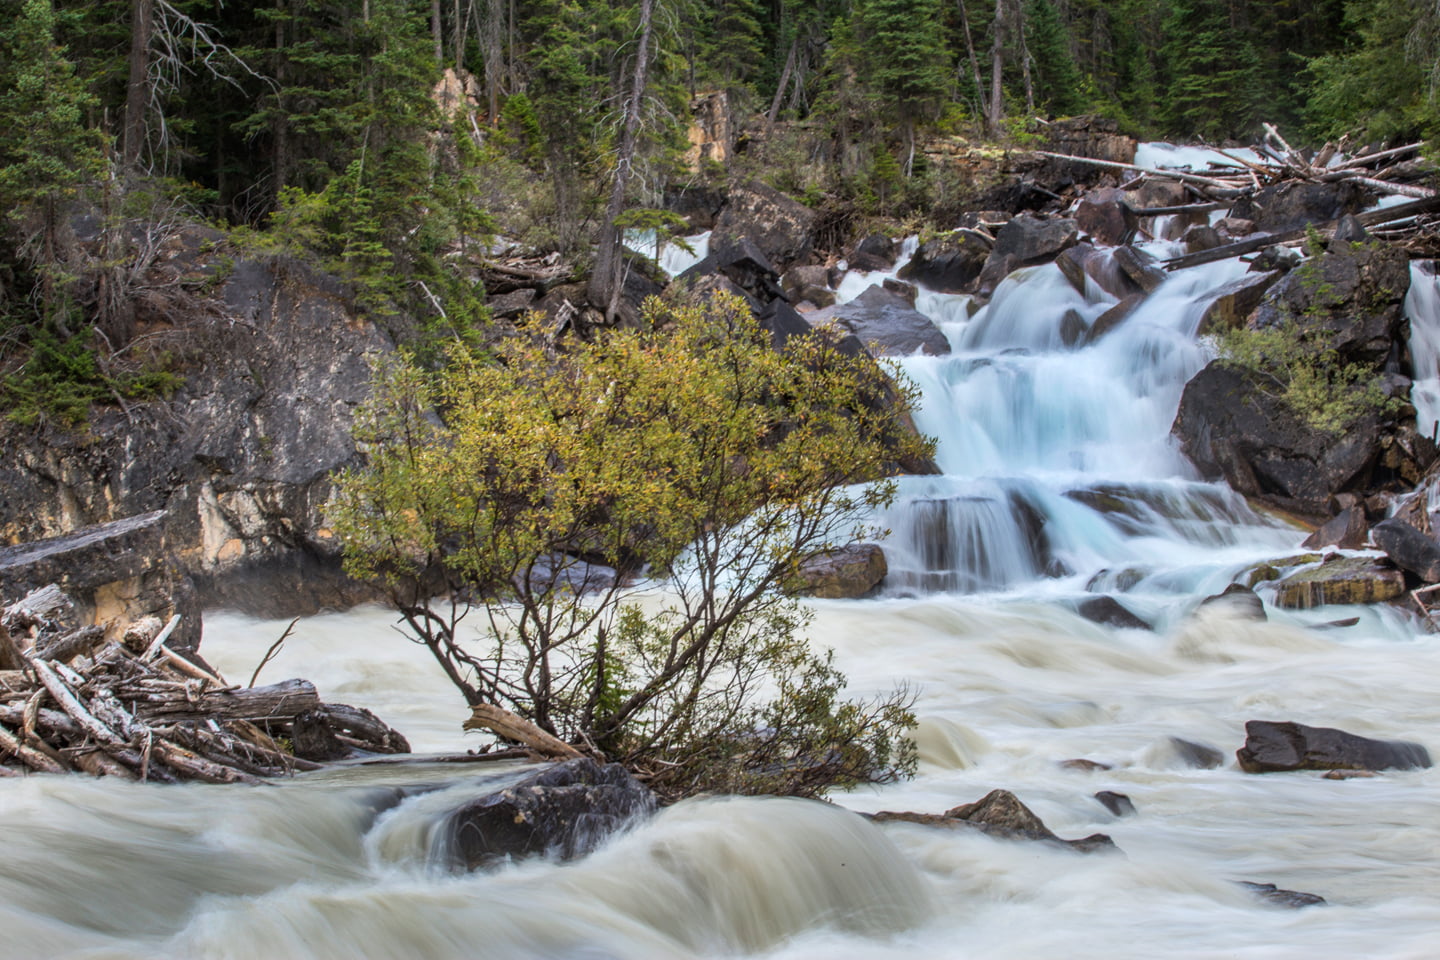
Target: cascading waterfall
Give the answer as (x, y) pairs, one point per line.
(1059, 481)
(1422, 309)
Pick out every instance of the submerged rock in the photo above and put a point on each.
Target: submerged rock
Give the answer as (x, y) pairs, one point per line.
(1117, 803)
(1198, 756)
(847, 573)
(1343, 580)
(1110, 612)
(1239, 599)
(565, 810)
(1235, 300)
(1272, 747)
(1291, 899)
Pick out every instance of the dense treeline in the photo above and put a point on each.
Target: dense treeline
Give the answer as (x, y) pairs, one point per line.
(315, 125)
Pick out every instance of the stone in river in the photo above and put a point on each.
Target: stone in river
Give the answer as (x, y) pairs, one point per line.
(1272, 747)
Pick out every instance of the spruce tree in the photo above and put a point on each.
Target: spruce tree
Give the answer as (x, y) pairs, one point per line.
(1215, 87)
(1061, 86)
(901, 50)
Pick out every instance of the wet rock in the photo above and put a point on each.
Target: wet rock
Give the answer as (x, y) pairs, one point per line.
(995, 271)
(1272, 747)
(875, 252)
(1240, 599)
(1201, 237)
(1408, 548)
(901, 288)
(1113, 317)
(1343, 580)
(1073, 328)
(1346, 530)
(949, 264)
(1140, 267)
(1198, 756)
(1235, 300)
(565, 810)
(799, 281)
(850, 572)
(1106, 217)
(1110, 612)
(1349, 775)
(1117, 803)
(780, 227)
(1290, 899)
(886, 323)
(1000, 813)
(1032, 240)
(1089, 766)
(1084, 266)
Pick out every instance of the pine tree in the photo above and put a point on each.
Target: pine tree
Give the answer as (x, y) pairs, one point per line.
(1061, 86)
(1215, 87)
(903, 57)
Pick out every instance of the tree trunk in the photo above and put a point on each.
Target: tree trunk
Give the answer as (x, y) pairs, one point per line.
(970, 52)
(494, 56)
(997, 63)
(137, 89)
(606, 282)
(436, 33)
(780, 87)
(1025, 60)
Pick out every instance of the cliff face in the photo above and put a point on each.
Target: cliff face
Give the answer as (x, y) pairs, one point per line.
(238, 459)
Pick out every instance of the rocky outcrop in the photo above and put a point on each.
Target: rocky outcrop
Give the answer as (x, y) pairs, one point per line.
(875, 252)
(950, 263)
(239, 459)
(886, 322)
(846, 573)
(781, 228)
(1033, 240)
(565, 810)
(1341, 580)
(1278, 747)
(1286, 206)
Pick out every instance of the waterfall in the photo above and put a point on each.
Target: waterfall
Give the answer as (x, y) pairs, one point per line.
(1422, 309)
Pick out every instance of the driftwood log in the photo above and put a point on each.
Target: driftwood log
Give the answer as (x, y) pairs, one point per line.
(135, 709)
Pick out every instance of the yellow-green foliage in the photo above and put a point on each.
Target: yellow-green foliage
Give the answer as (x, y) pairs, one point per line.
(694, 448)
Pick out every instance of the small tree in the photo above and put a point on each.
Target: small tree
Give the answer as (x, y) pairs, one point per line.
(695, 449)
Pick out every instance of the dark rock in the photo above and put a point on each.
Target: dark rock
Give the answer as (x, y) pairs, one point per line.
(799, 278)
(784, 321)
(743, 263)
(1032, 240)
(1235, 300)
(1197, 755)
(1293, 204)
(1350, 230)
(1073, 328)
(1155, 192)
(1140, 267)
(1272, 747)
(886, 323)
(507, 306)
(311, 738)
(781, 228)
(1290, 899)
(995, 271)
(1407, 548)
(1082, 764)
(1000, 813)
(948, 264)
(850, 572)
(1111, 612)
(1343, 580)
(1233, 228)
(1229, 427)
(1106, 217)
(1275, 258)
(875, 252)
(1346, 530)
(1351, 296)
(1201, 237)
(901, 288)
(565, 810)
(1241, 599)
(1113, 317)
(1072, 263)
(1117, 803)
(699, 205)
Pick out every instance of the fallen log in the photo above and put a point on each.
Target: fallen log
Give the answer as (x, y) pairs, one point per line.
(508, 726)
(1252, 244)
(278, 701)
(1221, 189)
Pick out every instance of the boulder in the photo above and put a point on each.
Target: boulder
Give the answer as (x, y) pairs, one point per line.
(1352, 296)
(1407, 547)
(1073, 328)
(1140, 267)
(1293, 204)
(875, 252)
(1289, 899)
(565, 810)
(1198, 756)
(1230, 427)
(1113, 317)
(1235, 300)
(1201, 237)
(950, 263)
(808, 283)
(1346, 530)
(1272, 747)
(781, 228)
(1033, 240)
(1000, 813)
(886, 323)
(698, 204)
(1117, 803)
(1083, 265)
(850, 572)
(1106, 217)
(1234, 228)
(1110, 612)
(743, 263)
(1241, 599)
(1343, 580)
(995, 271)
(507, 306)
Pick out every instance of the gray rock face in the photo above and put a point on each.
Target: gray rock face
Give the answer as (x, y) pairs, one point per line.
(780, 227)
(1289, 899)
(240, 458)
(1032, 240)
(848, 573)
(1234, 301)
(949, 264)
(1277, 747)
(1287, 206)
(565, 810)
(885, 322)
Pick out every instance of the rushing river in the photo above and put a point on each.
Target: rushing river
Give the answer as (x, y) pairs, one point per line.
(1010, 683)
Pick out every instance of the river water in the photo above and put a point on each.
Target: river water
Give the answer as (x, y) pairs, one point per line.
(1034, 437)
